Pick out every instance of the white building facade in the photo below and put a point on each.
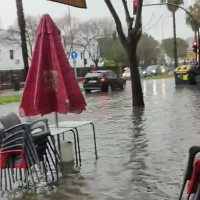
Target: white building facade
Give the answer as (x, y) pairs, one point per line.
(11, 54)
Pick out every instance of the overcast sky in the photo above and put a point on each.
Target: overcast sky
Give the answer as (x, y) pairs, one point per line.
(154, 17)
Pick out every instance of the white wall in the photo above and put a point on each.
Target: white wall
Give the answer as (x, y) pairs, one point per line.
(80, 58)
(6, 63)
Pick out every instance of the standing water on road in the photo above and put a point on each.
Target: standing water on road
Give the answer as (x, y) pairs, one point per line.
(141, 155)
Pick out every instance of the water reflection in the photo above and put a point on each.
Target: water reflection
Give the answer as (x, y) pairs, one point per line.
(144, 88)
(142, 153)
(154, 87)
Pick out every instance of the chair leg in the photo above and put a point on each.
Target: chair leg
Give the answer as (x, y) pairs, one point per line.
(5, 177)
(34, 153)
(51, 156)
(29, 168)
(32, 163)
(46, 157)
(1, 179)
(56, 166)
(26, 178)
(20, 175)
(9, 176)
(45, 170)
(54, 146)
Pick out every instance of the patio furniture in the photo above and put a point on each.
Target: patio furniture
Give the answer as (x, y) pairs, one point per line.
(39, 134)
(57, 131)
(17, 153)
(74, 125)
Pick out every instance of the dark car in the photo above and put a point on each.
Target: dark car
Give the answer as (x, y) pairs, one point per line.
(103, 80)
(154, 70)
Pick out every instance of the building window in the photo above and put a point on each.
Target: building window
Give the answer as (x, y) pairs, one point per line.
(81, 55)
(11, 54)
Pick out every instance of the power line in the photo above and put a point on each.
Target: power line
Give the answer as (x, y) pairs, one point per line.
(155, 23)
(149, 20)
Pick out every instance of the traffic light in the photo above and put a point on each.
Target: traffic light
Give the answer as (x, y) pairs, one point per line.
(135, 4)
(194, 45)
(85, 61)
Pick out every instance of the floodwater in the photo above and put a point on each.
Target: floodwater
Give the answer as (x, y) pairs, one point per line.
(142, 155)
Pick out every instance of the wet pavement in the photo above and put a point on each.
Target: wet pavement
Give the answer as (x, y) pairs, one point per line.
(142, 155)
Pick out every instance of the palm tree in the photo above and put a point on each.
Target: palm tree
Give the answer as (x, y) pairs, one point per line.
(173, 9)
(22, 28)
(194, 10)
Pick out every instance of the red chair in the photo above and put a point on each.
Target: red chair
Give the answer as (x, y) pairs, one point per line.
(17, 153)
(195, 178)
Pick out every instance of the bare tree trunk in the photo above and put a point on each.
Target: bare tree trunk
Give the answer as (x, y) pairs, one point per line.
(130, 44)
(137, 95)
(175, 43)
(22, 27)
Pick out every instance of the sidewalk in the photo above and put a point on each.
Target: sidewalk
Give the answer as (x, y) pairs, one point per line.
(10, 92)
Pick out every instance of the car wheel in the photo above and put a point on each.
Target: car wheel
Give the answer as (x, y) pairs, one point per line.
(87, 90)
(123, 86)
(106, 88)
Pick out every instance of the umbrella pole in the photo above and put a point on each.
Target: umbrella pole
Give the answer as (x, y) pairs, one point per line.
(56, 119)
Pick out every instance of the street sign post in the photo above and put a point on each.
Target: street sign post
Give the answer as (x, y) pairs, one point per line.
(191, 54)
(74, 55)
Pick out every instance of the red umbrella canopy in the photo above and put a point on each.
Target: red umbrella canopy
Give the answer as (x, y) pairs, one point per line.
(51, 85)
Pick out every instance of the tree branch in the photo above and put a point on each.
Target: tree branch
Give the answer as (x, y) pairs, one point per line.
(117, 22)
(138, 21)
(129, 20)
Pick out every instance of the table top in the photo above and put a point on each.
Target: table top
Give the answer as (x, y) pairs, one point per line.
(73, 124)
(58, 130)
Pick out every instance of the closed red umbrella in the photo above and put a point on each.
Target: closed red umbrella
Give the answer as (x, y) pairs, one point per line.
(51, 85)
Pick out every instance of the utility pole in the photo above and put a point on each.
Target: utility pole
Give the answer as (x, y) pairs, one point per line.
(72, 41)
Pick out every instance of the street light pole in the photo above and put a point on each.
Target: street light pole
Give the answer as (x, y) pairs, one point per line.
(72, 41)
(195, 22)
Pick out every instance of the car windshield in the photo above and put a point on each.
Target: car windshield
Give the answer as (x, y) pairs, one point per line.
(152, 67)
(93, 74)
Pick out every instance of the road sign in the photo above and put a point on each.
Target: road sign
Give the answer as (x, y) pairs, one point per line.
(191, 54)
(74, 55)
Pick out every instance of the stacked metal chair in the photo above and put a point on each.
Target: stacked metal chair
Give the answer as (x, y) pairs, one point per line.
(25, 149)
(192, 175)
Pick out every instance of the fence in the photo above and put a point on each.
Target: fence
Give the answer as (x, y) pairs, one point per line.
(81, 72)
(7, 76)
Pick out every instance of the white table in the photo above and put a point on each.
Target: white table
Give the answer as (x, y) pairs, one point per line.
(74, 125)
(57, 131)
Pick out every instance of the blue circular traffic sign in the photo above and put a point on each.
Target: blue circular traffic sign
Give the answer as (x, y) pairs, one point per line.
(74, 55)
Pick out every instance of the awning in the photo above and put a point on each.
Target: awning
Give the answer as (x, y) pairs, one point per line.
(75, 3)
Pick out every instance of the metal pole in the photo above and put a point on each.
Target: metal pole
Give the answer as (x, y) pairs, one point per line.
(72, 40)
(56, 119)
(196, 24)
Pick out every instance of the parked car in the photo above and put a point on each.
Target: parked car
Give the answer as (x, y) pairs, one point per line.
(127, 73)
(154, 70)
(103, 80)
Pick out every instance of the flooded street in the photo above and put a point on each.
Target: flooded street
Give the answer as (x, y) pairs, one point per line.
(140, 156)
